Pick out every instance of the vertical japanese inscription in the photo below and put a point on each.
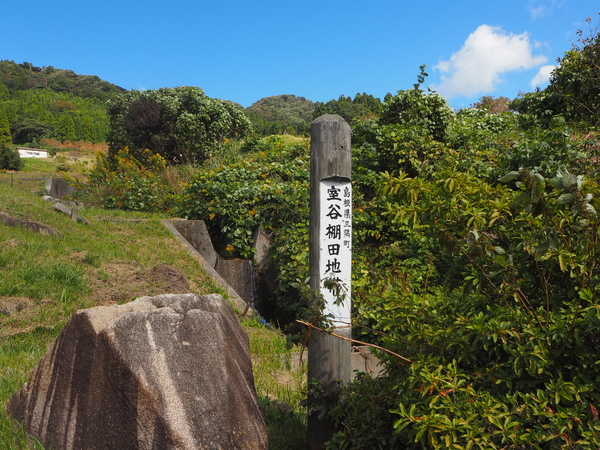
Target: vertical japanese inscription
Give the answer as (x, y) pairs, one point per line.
(335, 249)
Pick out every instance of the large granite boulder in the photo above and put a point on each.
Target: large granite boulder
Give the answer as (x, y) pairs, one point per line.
(165, 372)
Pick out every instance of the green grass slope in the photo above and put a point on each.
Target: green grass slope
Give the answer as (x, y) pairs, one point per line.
(115, 259)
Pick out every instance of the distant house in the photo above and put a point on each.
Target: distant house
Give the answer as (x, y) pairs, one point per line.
(25, 152)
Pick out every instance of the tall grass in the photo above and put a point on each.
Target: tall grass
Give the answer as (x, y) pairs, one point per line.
(281, 387)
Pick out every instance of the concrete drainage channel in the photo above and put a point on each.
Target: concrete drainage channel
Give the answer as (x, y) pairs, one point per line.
(237, 277)
(194, 235)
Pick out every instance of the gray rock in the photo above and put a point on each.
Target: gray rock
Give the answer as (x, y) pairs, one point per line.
(28, 224)
(233, 296)
(72, 213)
(239, 274)
(75, 217)
(266, 275)
(196, 233)
(69, 204)
(165, 372)
(262, 243)
(62, 208)
(361, 361)
(58, 187)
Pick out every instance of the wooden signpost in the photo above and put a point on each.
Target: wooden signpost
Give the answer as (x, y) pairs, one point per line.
(330, 259)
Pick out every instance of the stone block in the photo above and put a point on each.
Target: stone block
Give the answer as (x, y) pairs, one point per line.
(165, 372)
(239, 274)
(71, 212)
(262, 243)
(58, 206)
(196, 233)
(58, 187)
(361, 360)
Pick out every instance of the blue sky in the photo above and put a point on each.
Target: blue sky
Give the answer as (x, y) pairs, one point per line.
(244, 51)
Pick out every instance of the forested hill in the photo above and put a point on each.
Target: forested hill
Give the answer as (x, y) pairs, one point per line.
(281, 114)
(47, 103)
(26, 76)
(292, 115)
(50, 103)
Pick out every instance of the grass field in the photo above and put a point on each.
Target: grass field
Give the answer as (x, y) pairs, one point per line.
(44, 279)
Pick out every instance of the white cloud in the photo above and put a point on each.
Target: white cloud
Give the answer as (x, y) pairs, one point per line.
(542, 77)
(487, 53)
(539, 9)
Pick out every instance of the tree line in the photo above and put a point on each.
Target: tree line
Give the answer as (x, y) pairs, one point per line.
(46, 102)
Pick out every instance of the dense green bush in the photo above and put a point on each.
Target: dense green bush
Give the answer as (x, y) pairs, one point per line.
(268, 189)
(574, 89)
(483, 375)
(181, 124)
(475, 258)
(363, 416)
(10, 158)
(415, 108)
(129, 183)
(490, 289)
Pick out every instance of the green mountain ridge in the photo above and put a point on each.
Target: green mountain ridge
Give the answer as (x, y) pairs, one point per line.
(26, 76)
(46, 102)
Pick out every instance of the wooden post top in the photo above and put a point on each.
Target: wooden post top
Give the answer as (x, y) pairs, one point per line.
(330, 148)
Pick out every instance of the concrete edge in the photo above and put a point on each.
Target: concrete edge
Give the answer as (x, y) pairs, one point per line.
(361, 361)
(239, 303)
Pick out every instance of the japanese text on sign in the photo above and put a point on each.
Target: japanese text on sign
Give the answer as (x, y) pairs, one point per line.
(335, 249)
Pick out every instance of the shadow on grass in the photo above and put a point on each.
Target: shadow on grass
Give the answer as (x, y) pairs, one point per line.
(286, 427)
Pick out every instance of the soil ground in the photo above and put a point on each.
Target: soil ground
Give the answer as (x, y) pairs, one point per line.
(113, 283)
